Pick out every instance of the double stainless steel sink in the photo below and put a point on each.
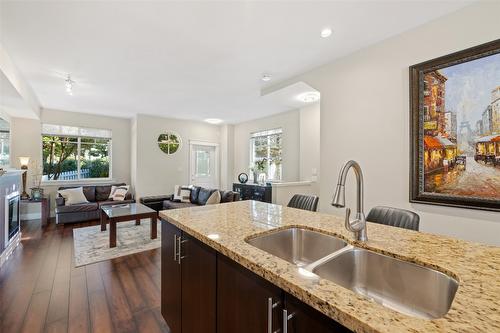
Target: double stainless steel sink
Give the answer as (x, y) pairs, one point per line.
(403, 286)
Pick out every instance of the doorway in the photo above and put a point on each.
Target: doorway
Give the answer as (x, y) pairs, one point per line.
(204, 164)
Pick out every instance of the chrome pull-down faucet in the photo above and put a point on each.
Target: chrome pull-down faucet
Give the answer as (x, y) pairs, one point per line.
(358, 225)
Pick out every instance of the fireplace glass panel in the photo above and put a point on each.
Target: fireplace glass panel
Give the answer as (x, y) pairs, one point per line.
(13, 216)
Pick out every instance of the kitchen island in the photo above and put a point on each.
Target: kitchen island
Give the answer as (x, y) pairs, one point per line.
(219, 235)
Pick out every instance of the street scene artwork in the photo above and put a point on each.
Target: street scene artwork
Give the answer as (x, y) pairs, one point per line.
(459, 130)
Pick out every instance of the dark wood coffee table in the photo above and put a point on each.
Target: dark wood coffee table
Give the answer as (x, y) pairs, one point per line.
(113, 214)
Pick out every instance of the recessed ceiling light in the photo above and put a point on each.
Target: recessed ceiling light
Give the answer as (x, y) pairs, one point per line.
(266, 77)
(213, 121)
(309, 97)
(326, 32)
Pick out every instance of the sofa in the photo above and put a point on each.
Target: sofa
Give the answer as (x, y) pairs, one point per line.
(97, 195)
(198, 197)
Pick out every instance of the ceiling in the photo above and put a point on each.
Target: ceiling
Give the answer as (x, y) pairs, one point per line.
(189, 60)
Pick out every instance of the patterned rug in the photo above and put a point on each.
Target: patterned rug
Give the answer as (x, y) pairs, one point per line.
(92, 244)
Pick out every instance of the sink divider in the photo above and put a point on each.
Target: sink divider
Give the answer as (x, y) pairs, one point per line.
(327, 258)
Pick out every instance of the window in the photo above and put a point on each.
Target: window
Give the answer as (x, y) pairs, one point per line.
(73, 153)
(169, 142)
(4, 143)
(202, 163)
(265, 153)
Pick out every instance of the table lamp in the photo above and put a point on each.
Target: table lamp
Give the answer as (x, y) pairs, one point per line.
(24, 166)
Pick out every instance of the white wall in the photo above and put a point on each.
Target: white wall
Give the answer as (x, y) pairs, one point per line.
(283, 192)
(133, 153)
(289, 122)
(365, 117)
(157, 173)
(26, 140)
(310, 145)
(227, 157)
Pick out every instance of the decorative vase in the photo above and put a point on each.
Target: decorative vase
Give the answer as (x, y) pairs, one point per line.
(36, 193)
(255, 178)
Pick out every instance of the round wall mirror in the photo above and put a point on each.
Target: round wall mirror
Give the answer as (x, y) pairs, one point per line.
(169, 142)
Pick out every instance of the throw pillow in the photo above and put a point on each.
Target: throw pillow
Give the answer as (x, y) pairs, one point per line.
(193, 198)
(203, 195)
(120, 193)
(227, 196)
(182, 193)
(214, 198)
(73, 196)
(113, 189)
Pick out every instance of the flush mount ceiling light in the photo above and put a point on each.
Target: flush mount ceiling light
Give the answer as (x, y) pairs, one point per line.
(69, 85)
(326, 32)
(266, 77)
(213, 121)
(309, 97)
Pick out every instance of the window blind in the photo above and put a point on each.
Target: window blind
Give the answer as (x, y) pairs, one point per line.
(266, 133)
(63, 130)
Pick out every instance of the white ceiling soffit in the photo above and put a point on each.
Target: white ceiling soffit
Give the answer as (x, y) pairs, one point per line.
(11, 102)
(17, 98)
(189, 60)
(287, 98)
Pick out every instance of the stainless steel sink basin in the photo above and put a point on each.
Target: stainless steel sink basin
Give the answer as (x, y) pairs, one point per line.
(298, 246)
(402, 286)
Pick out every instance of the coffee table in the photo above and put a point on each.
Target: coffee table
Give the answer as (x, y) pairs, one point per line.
(113, 214)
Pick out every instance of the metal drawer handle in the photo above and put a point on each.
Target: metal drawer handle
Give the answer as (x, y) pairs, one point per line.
(179, 249)
(175, 247)
(270, 307)
(286, 318)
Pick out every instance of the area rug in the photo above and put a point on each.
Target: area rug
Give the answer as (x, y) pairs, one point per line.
(92, 244)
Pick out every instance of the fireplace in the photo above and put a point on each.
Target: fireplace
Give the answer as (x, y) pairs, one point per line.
(12, 221)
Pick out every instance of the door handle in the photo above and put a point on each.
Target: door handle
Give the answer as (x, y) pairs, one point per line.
(286, 318)
(270, 306)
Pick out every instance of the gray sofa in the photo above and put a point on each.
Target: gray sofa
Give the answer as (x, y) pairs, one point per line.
(198, 197)
(97, 195)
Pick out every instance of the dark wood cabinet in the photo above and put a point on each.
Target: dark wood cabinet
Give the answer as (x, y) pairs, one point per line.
(244, 300)
(170, 277)
(204, 291)
(254, 192)
(303, 318)
(188, 282)
(199, 285)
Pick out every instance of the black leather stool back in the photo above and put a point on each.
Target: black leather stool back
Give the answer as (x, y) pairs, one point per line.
(306, 202)
(395, 217)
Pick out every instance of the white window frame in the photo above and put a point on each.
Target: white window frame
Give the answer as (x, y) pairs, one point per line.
(58, 130)
(9, 144)
(268, 134)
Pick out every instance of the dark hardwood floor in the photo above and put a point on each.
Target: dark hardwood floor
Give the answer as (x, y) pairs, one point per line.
(42, 291)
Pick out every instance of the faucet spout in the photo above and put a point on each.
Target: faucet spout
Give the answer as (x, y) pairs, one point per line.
(358, 225)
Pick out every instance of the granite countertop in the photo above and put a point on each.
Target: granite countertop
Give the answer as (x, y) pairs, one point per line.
(476, 307)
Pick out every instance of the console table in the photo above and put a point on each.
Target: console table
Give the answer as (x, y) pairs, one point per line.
(44, 208)
(254, 192)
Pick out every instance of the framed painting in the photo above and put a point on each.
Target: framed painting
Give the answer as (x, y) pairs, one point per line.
(455, 129)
